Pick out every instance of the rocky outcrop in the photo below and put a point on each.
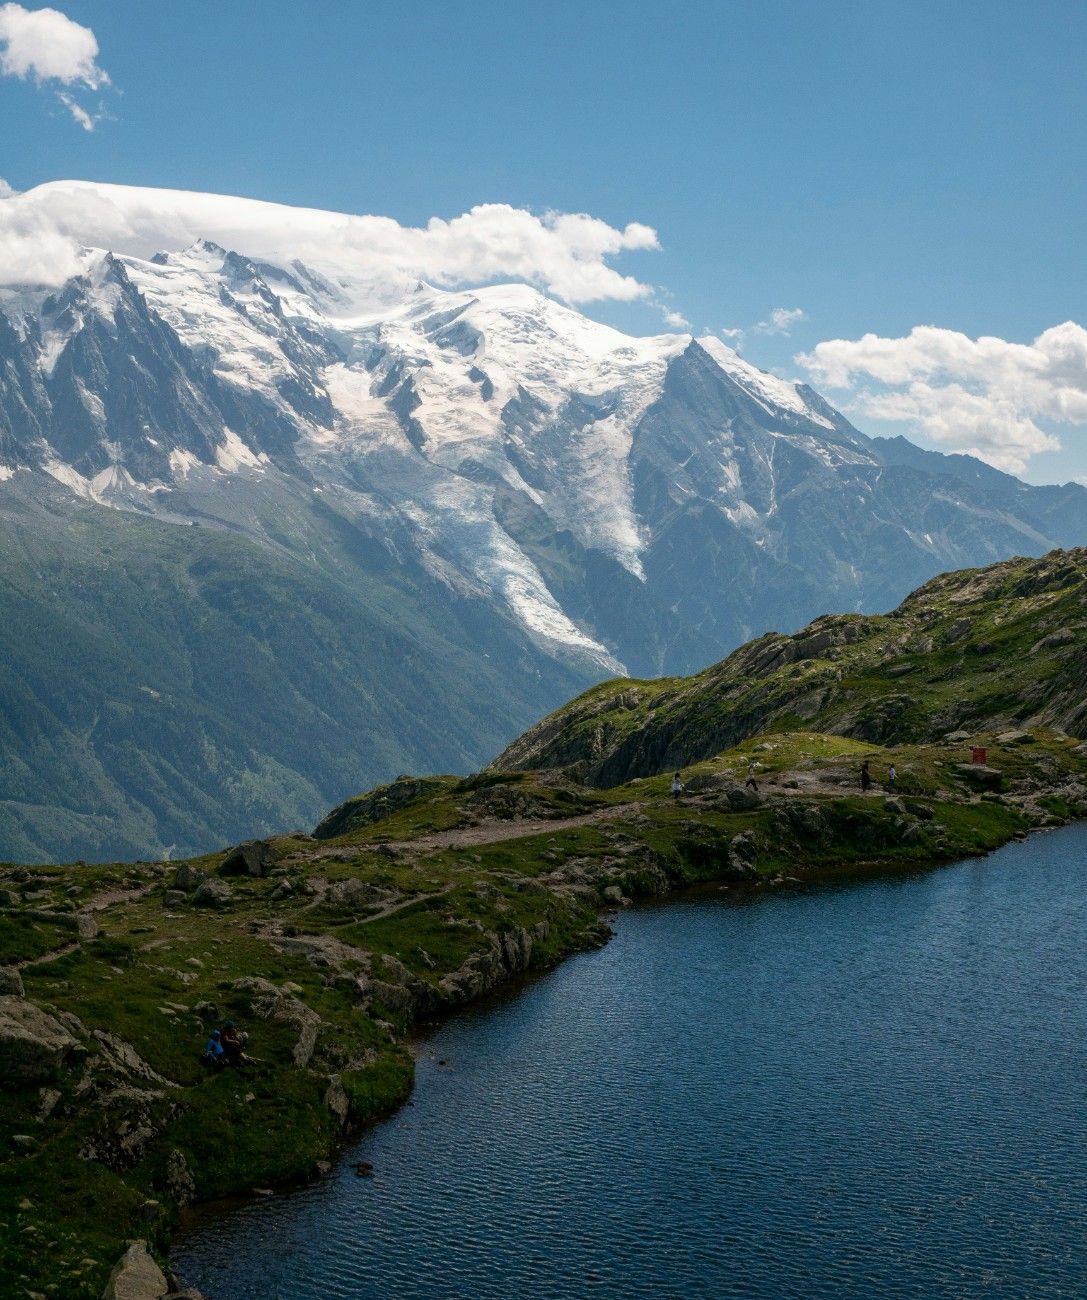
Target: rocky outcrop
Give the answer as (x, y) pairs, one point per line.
(253, 858)
(508, 953)
(270, 1003)
(85, 927)
(136, 1276)
(32, 1043)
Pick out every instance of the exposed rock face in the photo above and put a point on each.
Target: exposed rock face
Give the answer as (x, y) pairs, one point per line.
(179, 1182)
(270, 1003)
(11, 981)
(253, 858)
(336, 1099)
(136, 1276)
(32, 1043)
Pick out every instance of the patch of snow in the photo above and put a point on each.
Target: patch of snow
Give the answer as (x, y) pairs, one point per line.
(232, 454)
(182, 462)
(767, 389)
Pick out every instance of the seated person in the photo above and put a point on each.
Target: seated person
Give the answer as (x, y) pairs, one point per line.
(214, 1054)
(233, 1043)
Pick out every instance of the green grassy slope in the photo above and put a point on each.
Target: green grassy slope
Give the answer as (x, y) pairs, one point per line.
(985, 649)
(170, 689)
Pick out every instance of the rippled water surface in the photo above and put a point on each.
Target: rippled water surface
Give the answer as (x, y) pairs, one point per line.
(854, 1090)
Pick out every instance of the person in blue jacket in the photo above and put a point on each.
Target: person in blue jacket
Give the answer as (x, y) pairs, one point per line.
(213, 1052)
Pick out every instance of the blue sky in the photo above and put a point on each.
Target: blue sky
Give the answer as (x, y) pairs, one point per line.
(875, 166)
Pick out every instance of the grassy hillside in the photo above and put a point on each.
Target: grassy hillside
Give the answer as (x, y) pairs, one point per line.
(426, 893)
(983, 649)
(164, 690)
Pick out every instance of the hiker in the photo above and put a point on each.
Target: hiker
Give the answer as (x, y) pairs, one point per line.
(233, 1043)
(866, 778)
(751, 783)
(892, 778)
(213, 1052)
(677, 786)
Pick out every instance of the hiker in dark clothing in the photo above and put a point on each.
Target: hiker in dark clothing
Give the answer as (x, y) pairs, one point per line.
(233, 1042)
(751, 783)
(866, 778)
(677, 786)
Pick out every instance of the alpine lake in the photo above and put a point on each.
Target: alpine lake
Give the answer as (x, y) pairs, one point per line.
(850, 1088)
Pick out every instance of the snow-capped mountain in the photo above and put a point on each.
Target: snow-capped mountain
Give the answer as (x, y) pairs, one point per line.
(481, 487)
(488, 431)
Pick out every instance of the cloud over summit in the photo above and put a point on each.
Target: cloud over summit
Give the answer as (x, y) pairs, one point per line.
(568, 254)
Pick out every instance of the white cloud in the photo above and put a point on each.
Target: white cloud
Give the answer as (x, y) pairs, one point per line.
(981, 396)
(47, 46)
(781, 321)
(675, 319)
(42, 230)
(5, 189)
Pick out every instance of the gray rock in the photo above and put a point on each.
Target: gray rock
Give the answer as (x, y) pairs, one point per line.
(85, 927)
(337, 1100)
(981, 775)
(1016, 738)
(136, 1276)
(32, 1043)
(187, 878)
(353, 894)
(213, 893)
(253, 858)
(180, 1183)
(173, 898)
(11, 981)
(1062, 636)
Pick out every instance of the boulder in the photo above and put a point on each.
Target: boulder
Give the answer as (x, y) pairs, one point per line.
(741, 799)
(187, 878)
(213, 893)
(173, 898)
(981, 775)
(353, 894)
(253, 858)
(11, 981)
(1016, 738)
(136, 1276)
(32, 1043)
